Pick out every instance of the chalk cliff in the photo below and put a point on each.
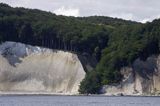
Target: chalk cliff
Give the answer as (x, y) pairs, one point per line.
(35, 70)
(26, 69)
(142, 78)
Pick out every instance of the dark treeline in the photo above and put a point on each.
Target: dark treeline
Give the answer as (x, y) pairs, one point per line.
(45, 29)
(114, 42)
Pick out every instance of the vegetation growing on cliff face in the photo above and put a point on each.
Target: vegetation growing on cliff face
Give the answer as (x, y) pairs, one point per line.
(91, 84)
(114, 42)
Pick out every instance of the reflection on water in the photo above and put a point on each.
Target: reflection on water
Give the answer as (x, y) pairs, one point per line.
(78, 101)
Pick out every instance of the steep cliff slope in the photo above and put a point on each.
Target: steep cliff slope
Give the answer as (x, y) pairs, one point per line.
(28, 69)
(141, 79)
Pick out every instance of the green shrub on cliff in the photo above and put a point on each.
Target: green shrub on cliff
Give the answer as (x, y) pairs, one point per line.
(91, 84)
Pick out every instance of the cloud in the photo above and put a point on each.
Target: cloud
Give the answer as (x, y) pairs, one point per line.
(150, 19)
(67, 11)
(146, 20)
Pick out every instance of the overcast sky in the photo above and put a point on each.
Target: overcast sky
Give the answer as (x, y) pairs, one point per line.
(137, 10)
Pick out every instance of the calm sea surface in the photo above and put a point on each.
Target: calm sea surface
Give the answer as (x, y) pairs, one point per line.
(78, 101)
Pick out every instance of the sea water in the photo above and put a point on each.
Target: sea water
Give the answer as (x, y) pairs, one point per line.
(78, 101)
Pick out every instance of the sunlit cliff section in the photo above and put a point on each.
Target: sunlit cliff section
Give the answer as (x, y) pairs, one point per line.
(35, 70)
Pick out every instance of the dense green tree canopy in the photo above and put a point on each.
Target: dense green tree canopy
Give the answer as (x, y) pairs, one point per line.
(115, 43)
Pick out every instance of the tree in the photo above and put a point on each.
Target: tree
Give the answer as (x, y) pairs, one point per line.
(91, 84)
(26, 33)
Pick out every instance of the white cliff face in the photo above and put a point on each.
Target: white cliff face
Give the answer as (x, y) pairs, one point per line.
(28, 69)
(143, 78)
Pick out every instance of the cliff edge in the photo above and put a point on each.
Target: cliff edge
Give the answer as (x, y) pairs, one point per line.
(34, 70)
(142, 78)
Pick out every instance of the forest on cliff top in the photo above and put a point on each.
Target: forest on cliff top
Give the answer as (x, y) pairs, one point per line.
(115, 43)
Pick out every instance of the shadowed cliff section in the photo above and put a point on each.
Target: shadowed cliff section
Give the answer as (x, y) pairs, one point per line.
(142, 78)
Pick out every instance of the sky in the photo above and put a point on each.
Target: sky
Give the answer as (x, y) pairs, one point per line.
(136, 10)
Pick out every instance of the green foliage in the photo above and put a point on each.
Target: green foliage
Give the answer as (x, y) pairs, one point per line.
(115, 43)
(91, 84)
(108, 21)
(46, 29)
(126, 44)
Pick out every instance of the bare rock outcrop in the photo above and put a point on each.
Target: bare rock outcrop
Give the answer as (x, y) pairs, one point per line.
(35, 70)
(142, 78)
